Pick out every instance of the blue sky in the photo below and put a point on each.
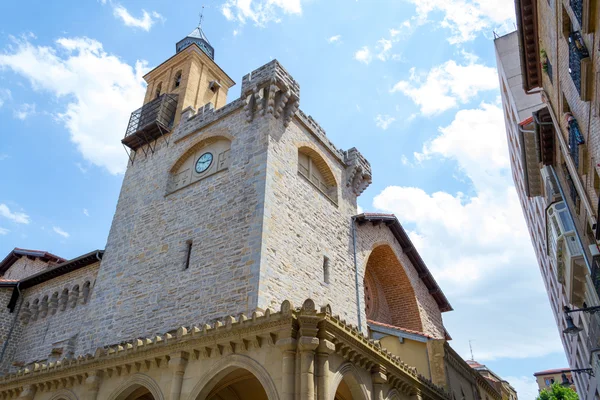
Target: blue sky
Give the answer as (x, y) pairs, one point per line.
(411, 83)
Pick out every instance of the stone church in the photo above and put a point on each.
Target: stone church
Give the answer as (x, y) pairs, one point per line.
(236, 267)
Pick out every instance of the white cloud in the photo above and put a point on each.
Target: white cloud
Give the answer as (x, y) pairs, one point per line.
(384, 46)
(259, 11)
(16, 216)
(447, 85)
(477, 245)
(363, 55)
(60, 232)
(24, 111)
(335, 39)
(467, 18)
(100, 89)
(3, 231)
(384, 121)
(145, 22)
(526, 386)
(5, 95)
(85, 212)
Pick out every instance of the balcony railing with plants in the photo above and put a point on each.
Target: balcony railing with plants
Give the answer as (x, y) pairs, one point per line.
(577, 7)
(577, 52)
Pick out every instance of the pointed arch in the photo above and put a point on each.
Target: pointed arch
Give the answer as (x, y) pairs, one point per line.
(64, 394)
(348, 375)
(227, 365)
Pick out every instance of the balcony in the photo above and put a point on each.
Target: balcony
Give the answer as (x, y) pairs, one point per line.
(576, 140)
(580, 65)
(151, 121)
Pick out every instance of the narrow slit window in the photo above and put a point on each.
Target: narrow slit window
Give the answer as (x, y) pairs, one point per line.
(177, 80)
(188, 254)
(158, 90)
(326, 269)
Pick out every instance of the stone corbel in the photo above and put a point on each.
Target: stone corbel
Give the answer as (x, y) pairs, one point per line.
(249, 107)
(283, 99)
(294, 105)
(259, 99)
(273, 89)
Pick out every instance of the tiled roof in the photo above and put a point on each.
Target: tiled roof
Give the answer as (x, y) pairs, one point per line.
(551, 371)
(17, 253)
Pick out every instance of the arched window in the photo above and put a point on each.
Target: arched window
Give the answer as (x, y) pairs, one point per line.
(312, 167)
(158, 90)
(177, 80)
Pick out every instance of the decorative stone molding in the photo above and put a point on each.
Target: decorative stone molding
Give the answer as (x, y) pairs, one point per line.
(228, 339)
(359, 176)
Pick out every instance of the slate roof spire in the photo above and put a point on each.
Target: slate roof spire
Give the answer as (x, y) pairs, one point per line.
(198, 37)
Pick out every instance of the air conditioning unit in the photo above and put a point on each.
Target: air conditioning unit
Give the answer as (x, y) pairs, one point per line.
(551, 191)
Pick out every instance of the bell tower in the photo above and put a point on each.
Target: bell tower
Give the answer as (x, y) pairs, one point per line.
(190, 78)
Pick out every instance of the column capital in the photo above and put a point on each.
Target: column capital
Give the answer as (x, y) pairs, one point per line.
(379, 374)
(325, 347)
(178, 361)
(307, 343)
(287, 344)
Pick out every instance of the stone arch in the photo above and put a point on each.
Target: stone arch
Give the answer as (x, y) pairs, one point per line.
(393, 394)
(313, 166)
(64, 394)
(348, 375)
(227, 365)
(135, 383)
(215, 146)
(389, 296)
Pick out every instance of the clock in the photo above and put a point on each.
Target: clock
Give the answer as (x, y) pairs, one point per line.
(204, 162)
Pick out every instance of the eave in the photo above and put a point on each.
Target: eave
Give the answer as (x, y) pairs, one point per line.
(526, 11)
(409, 249)
(17, 253)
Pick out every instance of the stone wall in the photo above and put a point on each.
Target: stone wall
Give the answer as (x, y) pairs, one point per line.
(54, 332)
(7, 320)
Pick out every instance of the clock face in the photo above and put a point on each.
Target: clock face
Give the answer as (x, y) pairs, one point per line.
(204, 162)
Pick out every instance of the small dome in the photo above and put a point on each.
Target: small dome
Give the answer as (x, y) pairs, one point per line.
(197, 36)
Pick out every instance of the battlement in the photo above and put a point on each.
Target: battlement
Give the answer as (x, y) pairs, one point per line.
(360, 177)
(272, 72)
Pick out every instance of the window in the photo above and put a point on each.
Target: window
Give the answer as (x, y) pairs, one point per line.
(547, 381)
(188, 253)
(158, 90)
(565, 104)
(326, 269)
(566, 23)
(177, 80)
(312, 167)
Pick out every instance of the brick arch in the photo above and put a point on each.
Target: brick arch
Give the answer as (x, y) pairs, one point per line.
(320, 162)
(389, 295)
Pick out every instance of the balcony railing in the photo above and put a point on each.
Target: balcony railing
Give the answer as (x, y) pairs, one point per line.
(572, 190)
(575, 139)
(577, 7)
(577, 52)
(151, 121)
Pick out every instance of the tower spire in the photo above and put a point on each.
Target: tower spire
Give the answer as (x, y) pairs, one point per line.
(197, 37)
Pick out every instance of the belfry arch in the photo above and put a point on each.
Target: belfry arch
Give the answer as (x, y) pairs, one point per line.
(389, 297)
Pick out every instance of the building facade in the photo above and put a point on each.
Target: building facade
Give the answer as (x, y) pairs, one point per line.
(545, 379)
(551, 98)
(235, 267)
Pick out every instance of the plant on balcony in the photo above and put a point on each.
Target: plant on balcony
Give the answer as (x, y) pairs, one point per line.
(558, 392)
(544, 60)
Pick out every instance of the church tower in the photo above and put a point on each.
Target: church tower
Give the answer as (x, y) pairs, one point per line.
(225, 208)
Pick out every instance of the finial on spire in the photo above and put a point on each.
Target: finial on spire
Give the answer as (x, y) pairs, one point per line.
(201, 17)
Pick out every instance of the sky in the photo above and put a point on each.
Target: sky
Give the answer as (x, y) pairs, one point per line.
(411, 83)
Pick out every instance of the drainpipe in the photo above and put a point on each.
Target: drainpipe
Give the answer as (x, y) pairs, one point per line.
(356, 274)
(5, 345)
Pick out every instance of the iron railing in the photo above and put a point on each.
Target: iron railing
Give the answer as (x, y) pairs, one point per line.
(159, 111)
(577, 7)
(575, 139)
(577, 52)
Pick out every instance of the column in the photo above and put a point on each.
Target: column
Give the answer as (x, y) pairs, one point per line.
(379, 377)
(324, 349)
(288, 366)
(177, 364)
(92, 384)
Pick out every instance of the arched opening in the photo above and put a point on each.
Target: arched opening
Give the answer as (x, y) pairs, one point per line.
(237, 384)
(348, 385)
(388, 294)
(158, 90)
(315, 169)
(177, 80)
(139, 393)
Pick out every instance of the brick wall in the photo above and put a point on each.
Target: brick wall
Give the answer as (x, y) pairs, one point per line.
(25, 267)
